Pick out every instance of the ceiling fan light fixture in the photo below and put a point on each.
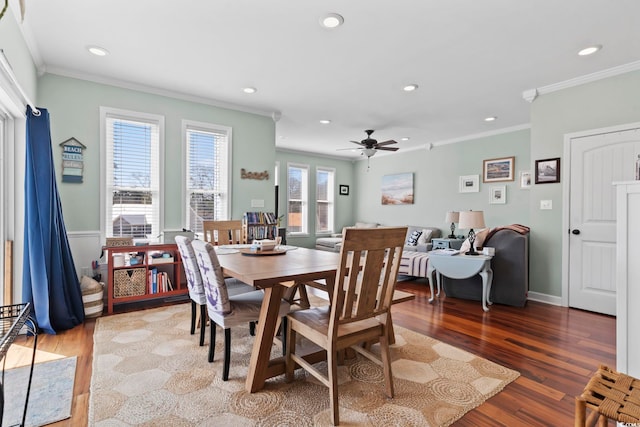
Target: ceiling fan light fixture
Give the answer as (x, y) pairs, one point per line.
(331, 20)
(369, 152)
(410, 88)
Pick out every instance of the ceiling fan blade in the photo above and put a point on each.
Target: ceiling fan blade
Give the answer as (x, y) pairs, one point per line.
(389, 142)
(350, 149)
(357, 142)
(387, 148)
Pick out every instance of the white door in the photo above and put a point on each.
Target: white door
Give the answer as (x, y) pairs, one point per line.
(596, 162)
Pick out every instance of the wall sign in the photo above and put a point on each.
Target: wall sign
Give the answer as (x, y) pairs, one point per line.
(72, 160)
(253, 175)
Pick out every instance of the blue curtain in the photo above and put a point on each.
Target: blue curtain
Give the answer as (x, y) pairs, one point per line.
(49, 279)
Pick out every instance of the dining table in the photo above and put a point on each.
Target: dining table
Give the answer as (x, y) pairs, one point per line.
(274, 272)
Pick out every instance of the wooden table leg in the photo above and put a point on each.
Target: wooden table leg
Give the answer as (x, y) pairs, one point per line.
(261, 352)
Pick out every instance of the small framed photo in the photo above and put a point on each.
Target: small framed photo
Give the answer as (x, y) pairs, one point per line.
(525, 180)
(498, 195)
(344, 190)
(469, 184)
(495, 170)
(547, 171)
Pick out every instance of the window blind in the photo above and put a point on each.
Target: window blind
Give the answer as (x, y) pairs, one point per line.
(207, 165)
(133, 178)
(297, 198)
(324, 200)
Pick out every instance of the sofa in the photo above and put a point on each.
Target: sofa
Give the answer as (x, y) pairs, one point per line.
(510, 266)
(421, 243)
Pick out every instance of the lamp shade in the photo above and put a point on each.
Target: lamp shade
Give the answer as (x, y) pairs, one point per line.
(452, 217)
(471, 219)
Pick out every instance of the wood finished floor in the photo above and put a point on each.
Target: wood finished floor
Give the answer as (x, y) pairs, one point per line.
(555, 349)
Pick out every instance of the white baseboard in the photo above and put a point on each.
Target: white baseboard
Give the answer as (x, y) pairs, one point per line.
(545, 298)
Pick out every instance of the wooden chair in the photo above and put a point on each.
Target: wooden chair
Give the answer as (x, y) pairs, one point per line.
(224, 309)
(610, 395)
(223, 232)
(369, 263)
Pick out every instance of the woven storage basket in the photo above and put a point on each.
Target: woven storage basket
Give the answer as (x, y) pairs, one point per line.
(130, 282)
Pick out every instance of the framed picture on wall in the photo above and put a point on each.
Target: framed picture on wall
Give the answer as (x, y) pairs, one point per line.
(469, 184)
(525, 180)
(498, 195)
(344, 190)
(494, 170)
(397, 189)
(547, 171)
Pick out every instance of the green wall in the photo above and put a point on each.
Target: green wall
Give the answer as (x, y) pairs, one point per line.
(603, 103)
(344, 204)
(74, 107)
(436, 175)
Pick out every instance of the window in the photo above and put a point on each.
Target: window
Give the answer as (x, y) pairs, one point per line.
(132, 198)
(297, 199)
(325, 178)
(207, 180)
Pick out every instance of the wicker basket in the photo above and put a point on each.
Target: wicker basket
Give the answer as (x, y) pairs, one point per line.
(130, 282)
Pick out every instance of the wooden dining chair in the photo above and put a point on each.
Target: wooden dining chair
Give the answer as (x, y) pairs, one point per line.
(223, 232)
(225, 310)
(359, 311)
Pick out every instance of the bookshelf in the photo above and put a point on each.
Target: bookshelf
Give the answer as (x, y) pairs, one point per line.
(140, 273)
(259, 225)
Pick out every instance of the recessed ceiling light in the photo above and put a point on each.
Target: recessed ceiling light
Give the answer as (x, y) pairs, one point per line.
(590, 50)
(404, 138)
(325, 121)
(98, 51)
(331, 20)
(490, 119)
(410, 88)
(249, 89)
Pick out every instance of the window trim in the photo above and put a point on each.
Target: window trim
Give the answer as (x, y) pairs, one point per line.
(332, 201)
(305, 200)
(109, 112)
(205, 127)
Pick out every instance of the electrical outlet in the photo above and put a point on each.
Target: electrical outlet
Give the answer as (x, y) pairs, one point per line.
(257, 203)
(546, 204)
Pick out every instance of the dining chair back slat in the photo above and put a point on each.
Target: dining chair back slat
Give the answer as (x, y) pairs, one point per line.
(223, 232)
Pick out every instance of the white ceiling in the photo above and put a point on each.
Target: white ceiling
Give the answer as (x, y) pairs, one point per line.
(470, 58)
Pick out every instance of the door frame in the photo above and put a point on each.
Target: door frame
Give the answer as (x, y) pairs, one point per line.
(566, 185)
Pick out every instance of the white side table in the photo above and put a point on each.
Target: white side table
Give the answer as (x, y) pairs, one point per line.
(461, 266)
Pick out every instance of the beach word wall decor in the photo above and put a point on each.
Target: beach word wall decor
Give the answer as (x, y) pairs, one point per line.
(72, 160)
(253, 175)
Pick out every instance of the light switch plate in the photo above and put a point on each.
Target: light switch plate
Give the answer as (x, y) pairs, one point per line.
(257, 203)
(546, 204)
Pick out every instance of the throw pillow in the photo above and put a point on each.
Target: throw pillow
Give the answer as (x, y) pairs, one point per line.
(413, 238)
(425, 237)
(478, 243)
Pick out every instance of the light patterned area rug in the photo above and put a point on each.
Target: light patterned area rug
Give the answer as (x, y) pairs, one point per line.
(149, 371)
(50, 396)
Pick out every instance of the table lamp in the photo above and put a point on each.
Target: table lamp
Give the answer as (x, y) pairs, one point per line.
(471, 220)
(452, 217)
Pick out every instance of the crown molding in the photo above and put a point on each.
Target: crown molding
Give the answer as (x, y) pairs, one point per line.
(311, 153)
(588, 78)
(479, 135)
(155, 91)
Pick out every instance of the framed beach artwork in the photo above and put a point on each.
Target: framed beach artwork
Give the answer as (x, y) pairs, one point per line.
(495, 170)
(397, 189)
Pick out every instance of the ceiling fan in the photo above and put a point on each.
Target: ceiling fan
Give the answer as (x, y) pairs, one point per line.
(369, 146)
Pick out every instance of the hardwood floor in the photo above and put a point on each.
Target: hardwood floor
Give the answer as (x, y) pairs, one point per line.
(556, 350)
